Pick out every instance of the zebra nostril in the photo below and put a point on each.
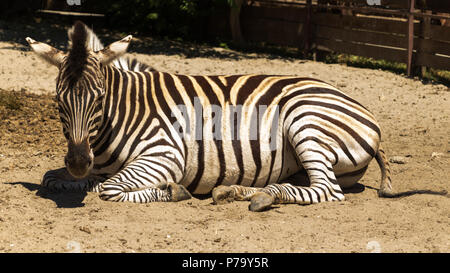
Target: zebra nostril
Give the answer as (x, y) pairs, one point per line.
(89, 162)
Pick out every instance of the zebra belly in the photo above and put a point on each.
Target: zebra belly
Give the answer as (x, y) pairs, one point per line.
(234, 164)
(287, 170)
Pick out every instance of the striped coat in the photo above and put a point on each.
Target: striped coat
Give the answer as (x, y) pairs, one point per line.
(145, 136)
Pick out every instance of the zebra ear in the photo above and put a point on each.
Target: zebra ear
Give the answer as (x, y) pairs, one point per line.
(114, 50)
(48, 53)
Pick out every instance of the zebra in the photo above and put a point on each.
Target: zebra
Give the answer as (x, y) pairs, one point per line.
(133, 135)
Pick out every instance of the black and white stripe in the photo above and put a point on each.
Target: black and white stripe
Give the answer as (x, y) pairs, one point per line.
(154, 133)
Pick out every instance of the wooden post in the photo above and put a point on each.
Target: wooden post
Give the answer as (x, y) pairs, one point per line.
(235, 25)
(307, 46)
(425, 32)
(410, 37)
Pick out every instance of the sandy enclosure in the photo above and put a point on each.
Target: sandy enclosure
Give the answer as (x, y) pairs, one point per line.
(415, 122)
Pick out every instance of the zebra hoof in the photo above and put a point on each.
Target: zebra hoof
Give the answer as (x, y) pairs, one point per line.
(178, 192)
(222, 195)
(261, 201)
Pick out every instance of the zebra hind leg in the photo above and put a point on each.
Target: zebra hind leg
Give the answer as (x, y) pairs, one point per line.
(226, 194)
(319, 174)
(323, 187)
(61, 180)
(260, 200)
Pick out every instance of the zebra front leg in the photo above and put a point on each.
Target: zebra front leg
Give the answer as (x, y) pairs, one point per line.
(126, 191)
(61, 180)
(145, 180)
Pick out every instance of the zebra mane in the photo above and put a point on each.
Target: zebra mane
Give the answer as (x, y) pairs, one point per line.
(78, 52)
(94, 44)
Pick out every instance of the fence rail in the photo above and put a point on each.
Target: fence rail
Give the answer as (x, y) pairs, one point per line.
(415, 32)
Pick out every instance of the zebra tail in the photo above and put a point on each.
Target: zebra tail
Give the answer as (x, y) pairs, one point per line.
(386, 187)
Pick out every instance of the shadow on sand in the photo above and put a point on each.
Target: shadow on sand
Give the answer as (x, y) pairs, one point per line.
(55, 34)
(61, 199)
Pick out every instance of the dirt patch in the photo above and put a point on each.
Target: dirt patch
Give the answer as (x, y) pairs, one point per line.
(415, 122)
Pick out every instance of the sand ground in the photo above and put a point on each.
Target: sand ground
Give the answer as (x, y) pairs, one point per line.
(414, 117)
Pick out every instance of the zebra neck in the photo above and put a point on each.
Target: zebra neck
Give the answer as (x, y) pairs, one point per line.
(127, 108)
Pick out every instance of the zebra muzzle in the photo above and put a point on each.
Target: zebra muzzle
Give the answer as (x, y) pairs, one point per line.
(79, 159)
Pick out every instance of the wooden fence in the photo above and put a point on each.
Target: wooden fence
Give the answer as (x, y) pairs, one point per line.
(407, 31)
(415, 32)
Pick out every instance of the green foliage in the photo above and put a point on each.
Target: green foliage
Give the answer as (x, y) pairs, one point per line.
(173, 18)
(224, 45)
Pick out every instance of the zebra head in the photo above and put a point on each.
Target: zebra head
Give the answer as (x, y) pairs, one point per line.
(80, 90)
